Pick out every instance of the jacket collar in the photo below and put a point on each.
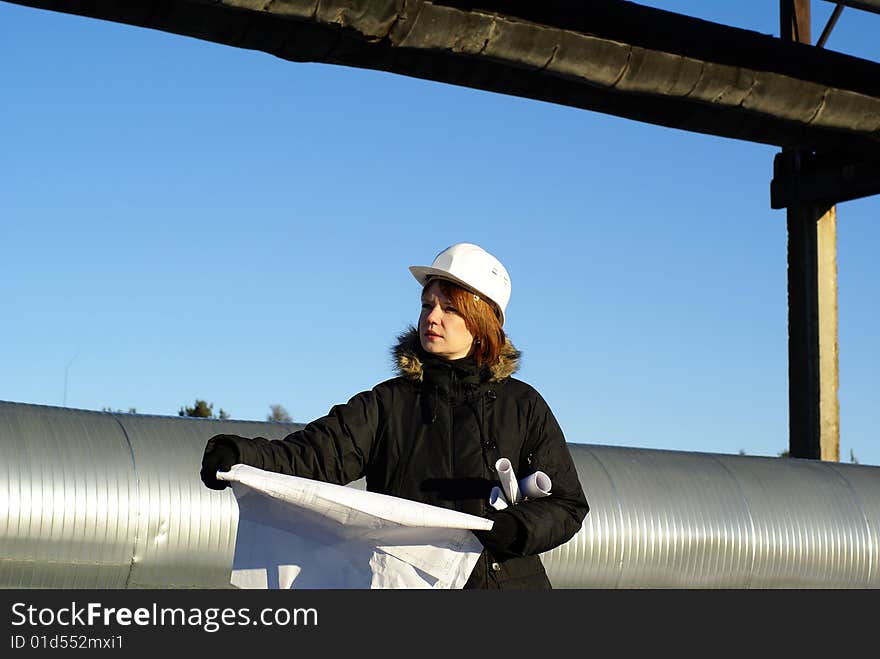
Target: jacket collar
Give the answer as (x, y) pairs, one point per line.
(409, 358)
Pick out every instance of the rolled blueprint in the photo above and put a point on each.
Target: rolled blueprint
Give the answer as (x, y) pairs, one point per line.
(535, 485)
(496, 499)
(508, 480)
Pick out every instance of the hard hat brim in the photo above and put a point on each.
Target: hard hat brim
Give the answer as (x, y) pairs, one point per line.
(424, 273)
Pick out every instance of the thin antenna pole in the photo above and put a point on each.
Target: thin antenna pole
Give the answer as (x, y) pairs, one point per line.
(66, 370)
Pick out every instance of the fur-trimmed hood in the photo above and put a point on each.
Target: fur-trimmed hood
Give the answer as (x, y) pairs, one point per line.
(408, 364)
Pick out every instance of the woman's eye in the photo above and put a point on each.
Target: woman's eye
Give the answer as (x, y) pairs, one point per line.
(450, 310)
(425, 305)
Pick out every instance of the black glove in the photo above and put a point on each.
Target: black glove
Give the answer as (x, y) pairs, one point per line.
(506, 536)
(221, 452)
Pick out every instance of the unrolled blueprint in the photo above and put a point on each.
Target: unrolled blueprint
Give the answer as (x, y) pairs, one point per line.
(300, 533)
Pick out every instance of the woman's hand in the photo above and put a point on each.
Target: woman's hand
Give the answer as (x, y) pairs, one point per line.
(505, 537)
(221, 452)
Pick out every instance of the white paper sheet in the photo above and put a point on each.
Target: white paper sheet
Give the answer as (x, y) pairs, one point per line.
(496, 499)
(300, 533)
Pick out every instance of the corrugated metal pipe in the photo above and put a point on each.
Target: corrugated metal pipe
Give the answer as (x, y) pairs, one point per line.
(106, 500)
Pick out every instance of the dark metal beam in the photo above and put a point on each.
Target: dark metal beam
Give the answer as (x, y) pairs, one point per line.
(866, 5)
(829, 26)
(607, 56)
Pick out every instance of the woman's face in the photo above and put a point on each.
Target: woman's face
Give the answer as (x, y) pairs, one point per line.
(441, 330)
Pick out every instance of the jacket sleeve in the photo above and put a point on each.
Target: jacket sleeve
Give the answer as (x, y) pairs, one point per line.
(334, 448)
(550, 521)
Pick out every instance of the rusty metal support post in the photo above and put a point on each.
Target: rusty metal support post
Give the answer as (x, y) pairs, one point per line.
(814, 412)
(829, 403)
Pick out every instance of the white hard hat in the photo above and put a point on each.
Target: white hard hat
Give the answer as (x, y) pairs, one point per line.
(472, 267)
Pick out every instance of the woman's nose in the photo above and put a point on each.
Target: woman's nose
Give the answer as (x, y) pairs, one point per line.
(435, 315)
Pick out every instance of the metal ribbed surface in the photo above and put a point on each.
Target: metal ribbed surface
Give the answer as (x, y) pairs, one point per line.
(670, 519)
(67, 500)
(99, 500)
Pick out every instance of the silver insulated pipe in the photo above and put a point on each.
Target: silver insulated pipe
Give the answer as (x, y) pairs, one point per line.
(106, 500)
(675, 519)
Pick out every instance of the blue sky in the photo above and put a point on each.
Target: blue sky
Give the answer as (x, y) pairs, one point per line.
(182, 220)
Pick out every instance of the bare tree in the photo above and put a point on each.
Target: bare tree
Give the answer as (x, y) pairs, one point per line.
(279, 414)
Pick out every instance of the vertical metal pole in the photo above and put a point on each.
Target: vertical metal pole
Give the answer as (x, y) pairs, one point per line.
(829, 403)
(794, 20)
(814, 413)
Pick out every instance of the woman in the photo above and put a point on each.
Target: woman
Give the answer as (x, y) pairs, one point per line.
(434, 433)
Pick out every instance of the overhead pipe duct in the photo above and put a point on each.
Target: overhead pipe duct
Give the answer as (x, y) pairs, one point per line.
(609, 56)
(106, 500)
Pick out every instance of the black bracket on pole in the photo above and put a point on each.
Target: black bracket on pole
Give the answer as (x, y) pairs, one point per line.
(807, 177)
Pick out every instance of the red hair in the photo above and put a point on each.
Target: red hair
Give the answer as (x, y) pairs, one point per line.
(480, 319)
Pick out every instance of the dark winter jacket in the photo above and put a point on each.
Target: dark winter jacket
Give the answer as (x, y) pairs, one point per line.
(432, 435)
